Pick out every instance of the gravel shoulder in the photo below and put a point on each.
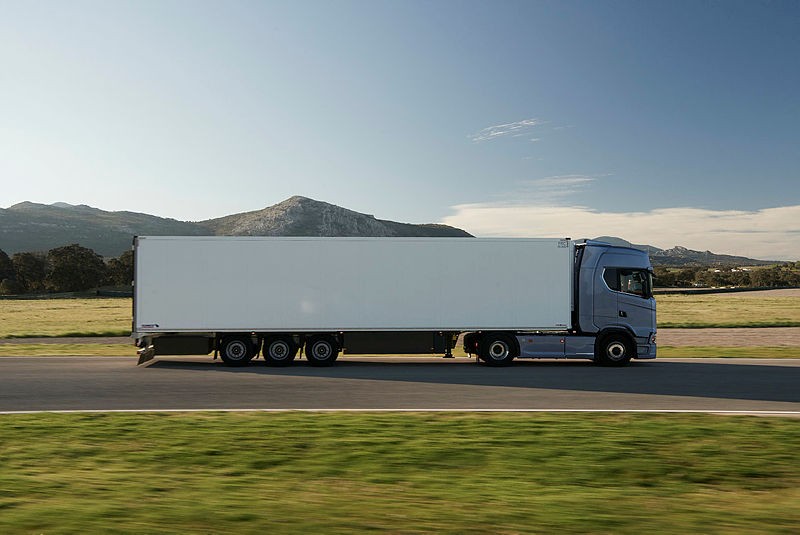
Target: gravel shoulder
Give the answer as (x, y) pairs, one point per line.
(733, 337)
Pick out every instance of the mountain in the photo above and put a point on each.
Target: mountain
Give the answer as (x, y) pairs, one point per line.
(30, 226)
(682, 257)
(301, 216)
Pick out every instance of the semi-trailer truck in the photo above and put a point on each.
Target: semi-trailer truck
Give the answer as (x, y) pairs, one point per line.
(281, 297)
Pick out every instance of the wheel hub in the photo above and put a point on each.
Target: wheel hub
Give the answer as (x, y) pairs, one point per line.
(236, 350)
(616, 351)
(278, 350)
(498, 350)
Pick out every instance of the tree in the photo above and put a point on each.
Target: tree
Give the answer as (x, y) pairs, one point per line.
(29, 271)
(664, 278)
(6, 266)
(120, 270)
(10, 287)
(685, 277)
(780, 275)
(74, 268)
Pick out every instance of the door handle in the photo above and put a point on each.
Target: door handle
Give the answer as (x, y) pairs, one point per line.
(623, 314)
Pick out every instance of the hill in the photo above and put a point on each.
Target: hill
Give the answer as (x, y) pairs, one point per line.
(30, 226)
(682, 257)
(301, 216)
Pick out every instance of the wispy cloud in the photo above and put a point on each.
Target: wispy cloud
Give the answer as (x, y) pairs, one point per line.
(770, 233)
(548, 189)
(560, 182)
(517, 129)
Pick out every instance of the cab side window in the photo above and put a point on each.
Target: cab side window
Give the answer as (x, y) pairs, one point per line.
(633, 281)
(629, 281)
(611, 278)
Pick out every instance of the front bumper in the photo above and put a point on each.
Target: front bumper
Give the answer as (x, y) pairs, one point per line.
(646, 347)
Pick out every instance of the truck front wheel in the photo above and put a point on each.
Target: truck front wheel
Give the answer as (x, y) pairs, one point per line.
(237, 350)
(614, 349)
(279, 351)
(497, 350)
(321, 351)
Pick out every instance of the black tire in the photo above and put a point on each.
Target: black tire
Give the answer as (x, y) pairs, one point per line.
(237, 350)
(322, 350)
(614, 349)
(497, 349)
(279, 351)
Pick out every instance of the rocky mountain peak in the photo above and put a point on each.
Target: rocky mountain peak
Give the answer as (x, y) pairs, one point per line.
(301, 216)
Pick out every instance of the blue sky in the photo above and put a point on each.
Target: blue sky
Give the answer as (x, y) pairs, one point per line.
(661, 122)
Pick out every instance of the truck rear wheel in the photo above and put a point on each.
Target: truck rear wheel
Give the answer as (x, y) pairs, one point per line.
(322, 350)
(497, 350)
(237, 350)
(279, 351)
(614, 349)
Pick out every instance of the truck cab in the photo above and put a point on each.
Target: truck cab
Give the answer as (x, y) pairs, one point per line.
(614, 298)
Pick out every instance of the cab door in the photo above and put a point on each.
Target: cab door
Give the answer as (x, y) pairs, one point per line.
(605, 298)
(635, 302)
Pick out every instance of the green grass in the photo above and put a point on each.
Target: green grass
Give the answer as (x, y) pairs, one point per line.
(401, 473)
(727, 310)
(779, 352)
(65, 317)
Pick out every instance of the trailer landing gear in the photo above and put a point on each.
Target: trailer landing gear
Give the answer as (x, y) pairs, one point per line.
(146, 354)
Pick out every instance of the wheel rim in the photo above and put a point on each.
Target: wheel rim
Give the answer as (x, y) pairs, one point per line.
(278, 350)
(498, 350)
(321, 350)
(615, 350)
(236, 350)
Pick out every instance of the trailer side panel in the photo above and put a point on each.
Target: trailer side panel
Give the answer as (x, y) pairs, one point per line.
(237, 284)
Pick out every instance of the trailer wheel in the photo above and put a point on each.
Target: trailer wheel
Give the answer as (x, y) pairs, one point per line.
(321, 351)
(237, 350)
(614, 349)
(497, 349)
(279, 351)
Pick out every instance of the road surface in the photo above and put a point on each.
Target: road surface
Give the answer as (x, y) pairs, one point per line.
(116, 383)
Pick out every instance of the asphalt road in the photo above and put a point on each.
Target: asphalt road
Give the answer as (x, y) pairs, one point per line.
(116, 383)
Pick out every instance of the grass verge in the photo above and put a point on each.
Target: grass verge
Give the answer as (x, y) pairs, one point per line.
(409, 473)
(725, 325)
(78, 350)
(781, 352)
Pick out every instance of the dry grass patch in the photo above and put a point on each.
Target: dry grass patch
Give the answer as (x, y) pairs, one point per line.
(67, 349)
(65, 317)
(728, 310)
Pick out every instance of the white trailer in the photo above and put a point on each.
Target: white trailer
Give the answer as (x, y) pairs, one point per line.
(245, 295)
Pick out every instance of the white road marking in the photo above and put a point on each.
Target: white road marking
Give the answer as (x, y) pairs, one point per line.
(641, 411)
